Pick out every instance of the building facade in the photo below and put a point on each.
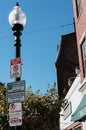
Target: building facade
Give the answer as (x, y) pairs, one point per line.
(80, 26)
(71, 74)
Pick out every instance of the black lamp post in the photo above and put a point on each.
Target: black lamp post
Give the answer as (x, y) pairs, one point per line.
(17, 20)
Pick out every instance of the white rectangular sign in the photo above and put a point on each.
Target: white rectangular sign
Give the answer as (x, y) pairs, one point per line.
(15, 114)
(15, 68)
(16, 92)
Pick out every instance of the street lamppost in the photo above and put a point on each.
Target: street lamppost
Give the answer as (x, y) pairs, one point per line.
(17, 20)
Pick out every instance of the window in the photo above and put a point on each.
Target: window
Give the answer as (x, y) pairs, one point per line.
(78, 7)
(67, 110)
(77, 128)
(84, 55)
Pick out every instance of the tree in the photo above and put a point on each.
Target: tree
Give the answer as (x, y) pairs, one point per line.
(3, 108)
(40, 112)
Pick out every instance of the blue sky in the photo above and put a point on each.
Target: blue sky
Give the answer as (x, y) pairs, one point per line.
(42, 32)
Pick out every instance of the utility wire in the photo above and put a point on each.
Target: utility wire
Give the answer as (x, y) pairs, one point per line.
(50, 28)
(40, 30)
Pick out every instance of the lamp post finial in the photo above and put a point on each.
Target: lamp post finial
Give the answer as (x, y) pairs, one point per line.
(17, 4)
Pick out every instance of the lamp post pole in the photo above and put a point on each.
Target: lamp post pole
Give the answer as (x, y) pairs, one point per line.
(17, 20)
(17, 28)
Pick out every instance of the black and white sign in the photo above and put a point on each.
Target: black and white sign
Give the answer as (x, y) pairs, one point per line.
(16, 92)
(15, 68)
(15, 114)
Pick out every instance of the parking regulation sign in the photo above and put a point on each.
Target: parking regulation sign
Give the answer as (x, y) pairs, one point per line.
(15, 114)
(15, 92)
(15, 68)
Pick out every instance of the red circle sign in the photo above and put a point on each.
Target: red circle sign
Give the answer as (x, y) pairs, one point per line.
(12, 107)
(15, 68)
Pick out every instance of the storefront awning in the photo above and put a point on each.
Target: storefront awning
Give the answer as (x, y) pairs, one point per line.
(80, 113)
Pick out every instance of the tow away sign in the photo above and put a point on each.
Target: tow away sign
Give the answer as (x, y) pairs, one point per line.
(15, 68)
(15, 114)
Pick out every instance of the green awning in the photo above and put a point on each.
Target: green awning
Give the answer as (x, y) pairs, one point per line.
(80, 112)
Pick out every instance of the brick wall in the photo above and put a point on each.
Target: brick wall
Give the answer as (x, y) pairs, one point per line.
(80, 25)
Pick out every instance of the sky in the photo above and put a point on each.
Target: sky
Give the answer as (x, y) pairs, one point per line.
(46, 21)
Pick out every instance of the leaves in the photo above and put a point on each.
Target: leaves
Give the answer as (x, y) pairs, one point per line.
(42, 110)
(3, 108)
(39, 111)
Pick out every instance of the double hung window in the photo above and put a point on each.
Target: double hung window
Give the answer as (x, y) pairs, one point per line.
(78, 7)
(77, 128)
(84, 55)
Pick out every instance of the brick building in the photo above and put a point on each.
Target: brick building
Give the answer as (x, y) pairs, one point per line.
(80, 26)
(73, 115)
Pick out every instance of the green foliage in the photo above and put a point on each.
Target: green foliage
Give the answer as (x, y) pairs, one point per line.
(3, 108)
(40, 112)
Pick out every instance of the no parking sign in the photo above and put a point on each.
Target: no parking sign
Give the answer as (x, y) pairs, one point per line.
(15, 68)
(15, 114)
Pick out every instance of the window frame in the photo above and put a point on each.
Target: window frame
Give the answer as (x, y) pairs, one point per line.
(77, 127)
(83, 51)
(78, 7)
